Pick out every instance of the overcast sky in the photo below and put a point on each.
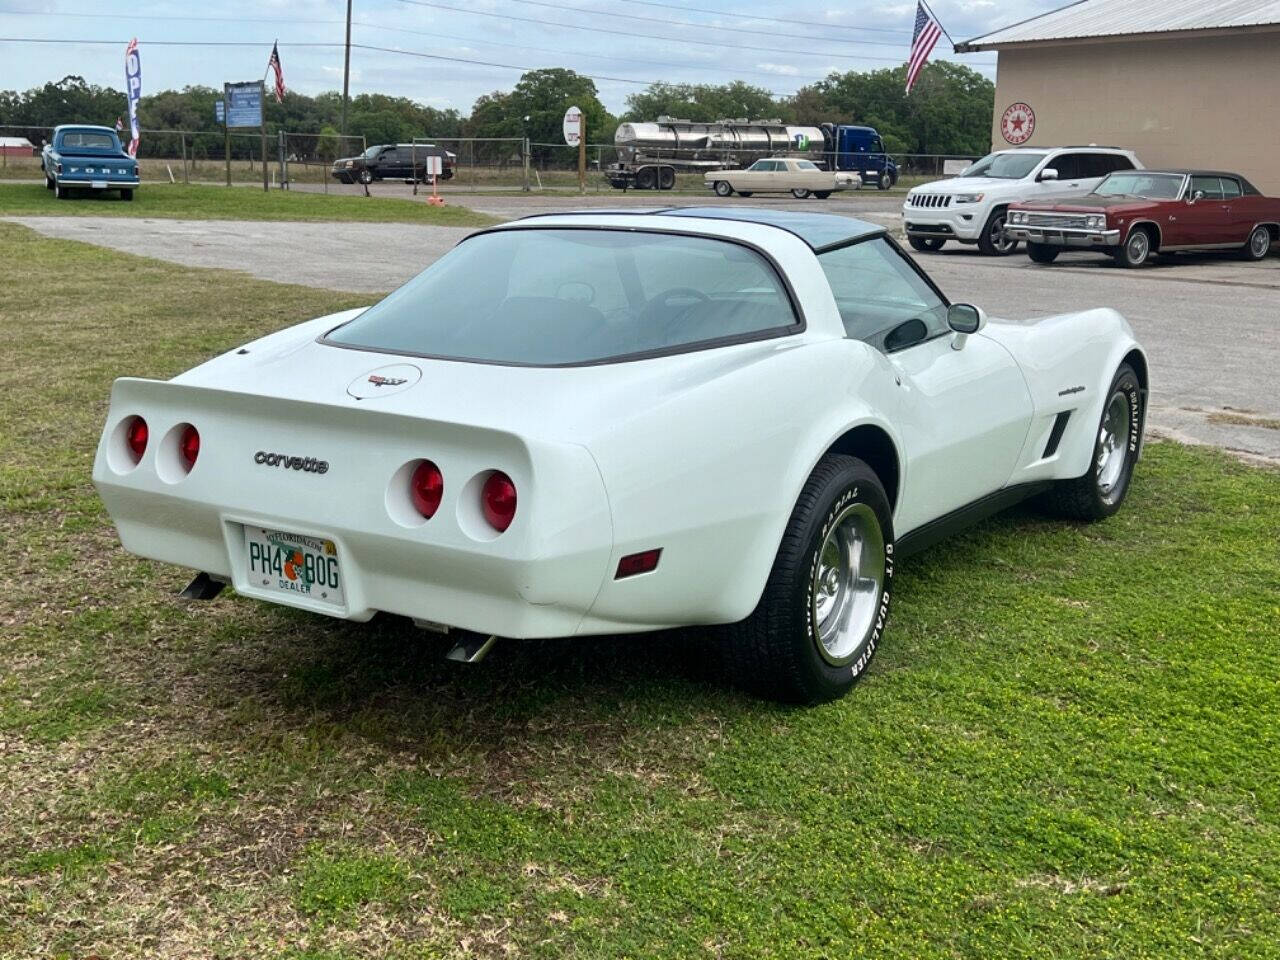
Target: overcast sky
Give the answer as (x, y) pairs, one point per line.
(637, 40)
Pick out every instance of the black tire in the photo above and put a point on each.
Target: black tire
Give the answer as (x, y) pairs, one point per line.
(926, 244)
(722, 188)
(61, 192)
(1258, 245)
(1136, 250)
(126, 193)
(1042, 252)
(822, 194)
(48, 182)
(666, 178)
(744, 193)
(1100, 491)
(646, 178)
(992, 241)
(799, 193)
(777, 652)
(365, 177)
(885, 181)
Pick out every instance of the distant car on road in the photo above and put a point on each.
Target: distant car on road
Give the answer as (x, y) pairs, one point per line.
(393, 161)
(802, 178)
(971, 208)
(1137, 214)
(82, 157)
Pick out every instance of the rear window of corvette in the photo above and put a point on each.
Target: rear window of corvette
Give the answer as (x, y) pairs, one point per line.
(554, 297)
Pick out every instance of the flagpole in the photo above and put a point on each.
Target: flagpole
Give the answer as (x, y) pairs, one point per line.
(939, 23)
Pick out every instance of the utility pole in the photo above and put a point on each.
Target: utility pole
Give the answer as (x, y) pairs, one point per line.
(346, 72)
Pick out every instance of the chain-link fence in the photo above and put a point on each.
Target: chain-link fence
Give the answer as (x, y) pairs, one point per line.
(332, 162)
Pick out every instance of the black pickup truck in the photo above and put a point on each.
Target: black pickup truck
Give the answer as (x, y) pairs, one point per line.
(393, 161)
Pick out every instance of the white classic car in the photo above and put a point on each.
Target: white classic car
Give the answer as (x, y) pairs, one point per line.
(802, 178)
(604, 422)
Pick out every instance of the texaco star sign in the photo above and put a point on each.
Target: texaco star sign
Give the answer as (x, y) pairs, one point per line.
(1018, 123)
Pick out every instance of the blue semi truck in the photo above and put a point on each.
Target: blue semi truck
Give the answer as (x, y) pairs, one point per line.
(650, 154)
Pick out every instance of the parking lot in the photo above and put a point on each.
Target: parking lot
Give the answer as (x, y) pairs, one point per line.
(1208, 320)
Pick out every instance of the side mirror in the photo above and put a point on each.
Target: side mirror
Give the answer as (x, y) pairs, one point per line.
(964, 319)
(1048, 173)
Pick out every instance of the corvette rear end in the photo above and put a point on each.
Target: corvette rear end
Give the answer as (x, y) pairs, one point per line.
(347, 511)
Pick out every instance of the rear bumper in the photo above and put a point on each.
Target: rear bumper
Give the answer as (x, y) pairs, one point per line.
(538, 579)
(98, 184)
(1068, 237)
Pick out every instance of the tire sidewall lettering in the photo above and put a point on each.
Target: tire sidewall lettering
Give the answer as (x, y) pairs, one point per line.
(833, 512)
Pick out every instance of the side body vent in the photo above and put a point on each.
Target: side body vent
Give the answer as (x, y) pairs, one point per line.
(1055, 435)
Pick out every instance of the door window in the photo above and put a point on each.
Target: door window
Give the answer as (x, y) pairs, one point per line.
(1211, 187)
(1230, 188)
(882, 299)
(1067, 165)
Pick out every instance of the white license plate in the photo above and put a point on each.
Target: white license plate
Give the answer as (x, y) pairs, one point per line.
(98, 184)
(294, 565)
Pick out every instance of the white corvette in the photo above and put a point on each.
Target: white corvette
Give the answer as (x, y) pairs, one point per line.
(607, 422)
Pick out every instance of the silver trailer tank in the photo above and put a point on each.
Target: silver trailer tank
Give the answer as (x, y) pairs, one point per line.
(723, 143)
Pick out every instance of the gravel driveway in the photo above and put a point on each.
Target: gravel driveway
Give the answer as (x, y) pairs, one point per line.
(1209, 323)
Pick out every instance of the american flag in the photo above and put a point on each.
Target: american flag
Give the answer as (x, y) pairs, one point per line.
(927, 32)
(274, 64)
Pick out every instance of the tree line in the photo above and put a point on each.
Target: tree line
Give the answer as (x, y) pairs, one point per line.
(948, 112)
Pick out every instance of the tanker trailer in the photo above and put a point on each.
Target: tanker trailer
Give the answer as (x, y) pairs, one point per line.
(650, 154)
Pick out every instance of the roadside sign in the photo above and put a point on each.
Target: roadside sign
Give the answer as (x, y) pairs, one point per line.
(244, 104)
(435, 166)
(573, 126)
(219, 111)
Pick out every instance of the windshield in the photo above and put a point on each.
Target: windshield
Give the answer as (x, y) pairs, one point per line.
(547, 296)
(1005, 166)
(373, 151)
(88, 140)
(1137, 183)
(806, 165)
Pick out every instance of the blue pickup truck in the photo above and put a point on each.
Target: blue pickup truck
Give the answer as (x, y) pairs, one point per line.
(87, 158)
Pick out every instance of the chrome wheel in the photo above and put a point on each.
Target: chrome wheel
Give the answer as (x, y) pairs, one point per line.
(1113, 443)
(1139, 247)
(999, 241)
(848, 579)
(1259, 243)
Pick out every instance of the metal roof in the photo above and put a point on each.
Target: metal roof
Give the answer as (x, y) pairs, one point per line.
(1087, 19)
(15, 142)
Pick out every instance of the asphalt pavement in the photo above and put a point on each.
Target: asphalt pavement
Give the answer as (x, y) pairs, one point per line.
(1211, 323)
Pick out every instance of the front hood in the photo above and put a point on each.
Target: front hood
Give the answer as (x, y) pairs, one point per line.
(568, 404)
(1088, 204)
(966, 185)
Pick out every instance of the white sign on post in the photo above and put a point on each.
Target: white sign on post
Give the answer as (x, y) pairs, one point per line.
(572, 126)
(435, 166)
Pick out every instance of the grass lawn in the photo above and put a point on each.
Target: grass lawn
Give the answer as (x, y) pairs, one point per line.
(1068, 746)
(205, 202)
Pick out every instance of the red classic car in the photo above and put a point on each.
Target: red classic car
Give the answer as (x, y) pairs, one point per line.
(1134, 214)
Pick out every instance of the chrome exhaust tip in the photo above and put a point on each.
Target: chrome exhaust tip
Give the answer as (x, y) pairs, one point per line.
(471, 647)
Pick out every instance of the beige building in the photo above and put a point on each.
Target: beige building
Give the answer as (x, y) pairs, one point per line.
(1184, 83)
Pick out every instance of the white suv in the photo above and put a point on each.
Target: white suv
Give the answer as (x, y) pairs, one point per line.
(970, 207)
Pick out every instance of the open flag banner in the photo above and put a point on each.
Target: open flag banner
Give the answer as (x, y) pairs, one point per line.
(133, 84)
(926, 35)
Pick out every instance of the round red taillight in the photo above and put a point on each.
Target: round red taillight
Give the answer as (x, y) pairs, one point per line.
(189, 445)
(426, 487)
(135, 436)
(498, 500)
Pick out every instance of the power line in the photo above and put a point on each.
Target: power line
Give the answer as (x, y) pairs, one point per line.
(705, 26)
(573, 53)
(511, 66)
(354, 46)
(752, 16)
(631, 34)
